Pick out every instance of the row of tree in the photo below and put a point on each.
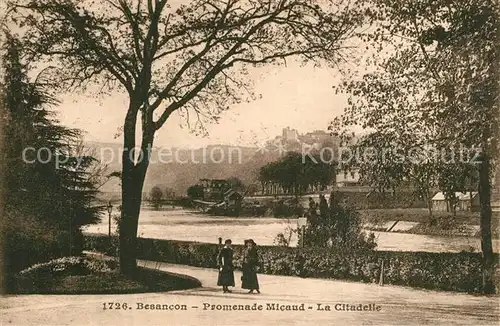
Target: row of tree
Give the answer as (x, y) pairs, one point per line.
(157, 195)
(433, 81)
(297, 173)
(387, 161)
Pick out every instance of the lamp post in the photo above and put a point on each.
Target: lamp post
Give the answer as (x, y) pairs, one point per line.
(110, 209)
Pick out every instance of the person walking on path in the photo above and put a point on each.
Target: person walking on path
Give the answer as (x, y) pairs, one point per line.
(226, 267)
(250, 263)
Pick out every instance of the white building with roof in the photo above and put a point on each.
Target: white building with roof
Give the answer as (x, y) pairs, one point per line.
(466, 201)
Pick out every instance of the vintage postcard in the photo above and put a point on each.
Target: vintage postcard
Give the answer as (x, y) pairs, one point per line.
(249, 162)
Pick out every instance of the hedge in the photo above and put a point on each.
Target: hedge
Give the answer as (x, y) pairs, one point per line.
(459, 272)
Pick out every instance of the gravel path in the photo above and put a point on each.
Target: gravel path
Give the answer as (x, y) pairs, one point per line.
(398, 305)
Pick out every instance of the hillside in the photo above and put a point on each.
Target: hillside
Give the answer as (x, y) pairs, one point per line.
(180, 168)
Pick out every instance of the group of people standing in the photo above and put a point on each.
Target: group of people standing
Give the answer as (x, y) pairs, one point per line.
(249, 279)
(322, 206)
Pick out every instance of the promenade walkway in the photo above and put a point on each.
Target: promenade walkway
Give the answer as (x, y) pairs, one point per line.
(398, 305)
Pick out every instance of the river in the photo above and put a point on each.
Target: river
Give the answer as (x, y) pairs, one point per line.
(180, 224)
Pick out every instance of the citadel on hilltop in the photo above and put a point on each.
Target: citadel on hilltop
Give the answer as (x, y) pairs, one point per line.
(292, 140)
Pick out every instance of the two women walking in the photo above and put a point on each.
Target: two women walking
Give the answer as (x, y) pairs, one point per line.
(249, 267)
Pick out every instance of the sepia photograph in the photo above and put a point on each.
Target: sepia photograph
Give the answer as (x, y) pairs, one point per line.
(249, 162)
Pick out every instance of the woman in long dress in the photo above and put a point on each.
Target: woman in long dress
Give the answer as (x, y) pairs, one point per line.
(250, 263)
(225, 262)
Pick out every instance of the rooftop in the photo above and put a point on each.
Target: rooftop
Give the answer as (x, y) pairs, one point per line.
(459, 195)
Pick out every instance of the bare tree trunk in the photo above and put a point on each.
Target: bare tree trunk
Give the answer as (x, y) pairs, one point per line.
(485, 217)
(470, 201)
(429, 205)
(133, 176)
(131, 205)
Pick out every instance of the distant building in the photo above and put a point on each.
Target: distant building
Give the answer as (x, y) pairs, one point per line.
(347, 178)
(317, 136)
(290, 135)
(232, 197)
(467, 201)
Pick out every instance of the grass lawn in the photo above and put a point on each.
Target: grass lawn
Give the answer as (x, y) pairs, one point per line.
(91, 275)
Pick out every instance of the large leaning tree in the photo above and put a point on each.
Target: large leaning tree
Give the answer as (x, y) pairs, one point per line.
(170, 57)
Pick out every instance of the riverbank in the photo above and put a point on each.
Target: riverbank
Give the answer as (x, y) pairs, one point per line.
(409, 221)
(460, 230)
(417, 215)
(417, 221)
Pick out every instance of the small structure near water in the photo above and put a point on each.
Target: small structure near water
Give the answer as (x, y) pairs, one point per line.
(467, 201)
(230, 205)
(233, 197)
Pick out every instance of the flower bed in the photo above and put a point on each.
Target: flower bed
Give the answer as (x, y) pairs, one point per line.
(86, 275)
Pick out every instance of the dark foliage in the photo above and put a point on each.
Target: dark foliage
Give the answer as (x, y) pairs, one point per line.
(336, 226)
(85, 275)
(287, 208)
(156, 196)
(296, 173)
(195, 192)
(48, 196)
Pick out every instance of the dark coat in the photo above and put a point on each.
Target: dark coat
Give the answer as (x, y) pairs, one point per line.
(250, 263)
(324, 211)
(226, 267)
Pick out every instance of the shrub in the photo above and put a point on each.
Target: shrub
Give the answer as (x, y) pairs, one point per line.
(289, 208)
(29, 241)
(281, 240)
(337, 227)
